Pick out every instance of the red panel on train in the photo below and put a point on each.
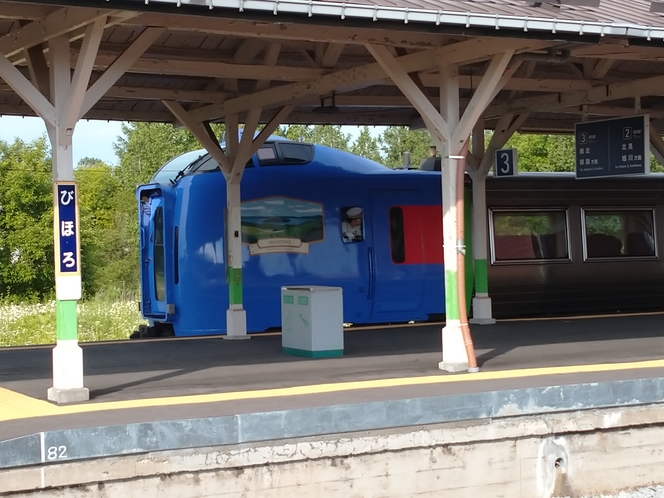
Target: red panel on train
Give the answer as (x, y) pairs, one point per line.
(423, 233)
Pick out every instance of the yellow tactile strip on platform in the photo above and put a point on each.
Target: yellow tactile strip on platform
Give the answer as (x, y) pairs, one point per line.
(14, 405)
(18, 406)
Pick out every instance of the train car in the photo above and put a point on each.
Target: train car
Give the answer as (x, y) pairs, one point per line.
(312, 215)
(562, 246)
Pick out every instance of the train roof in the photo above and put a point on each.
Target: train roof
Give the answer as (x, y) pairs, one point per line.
(320, 159)
(278, 151)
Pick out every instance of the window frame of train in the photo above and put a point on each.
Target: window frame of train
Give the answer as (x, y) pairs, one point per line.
(537, 255)
(397, 235)
(278, 153)
(346, 219)
(608, 211)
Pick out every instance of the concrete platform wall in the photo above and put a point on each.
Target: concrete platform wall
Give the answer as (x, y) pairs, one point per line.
(574, 453)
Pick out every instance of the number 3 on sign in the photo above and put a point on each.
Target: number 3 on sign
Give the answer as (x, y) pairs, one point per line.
(506, 162)
(505, 158)
(56, 452)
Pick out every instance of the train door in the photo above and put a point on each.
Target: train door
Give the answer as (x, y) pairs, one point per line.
(396, 286)
(152, 239)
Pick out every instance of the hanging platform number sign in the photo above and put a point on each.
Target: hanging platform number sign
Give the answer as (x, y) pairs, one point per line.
(67, 241)
(505, 163)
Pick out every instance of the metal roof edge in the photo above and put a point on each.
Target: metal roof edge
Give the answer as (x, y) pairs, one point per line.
(456, 18)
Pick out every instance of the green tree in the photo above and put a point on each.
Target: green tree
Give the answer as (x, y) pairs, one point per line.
(367, 146)
(294, 132)
(655, 166)
(26, 220)
(562, 154)
(144, 147)
(99, 190)
(399, 139)
(543, 152)
(329, 135)
(89, 161)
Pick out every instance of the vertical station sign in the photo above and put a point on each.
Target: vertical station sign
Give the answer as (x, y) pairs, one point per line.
(67, 241)
(613, 147)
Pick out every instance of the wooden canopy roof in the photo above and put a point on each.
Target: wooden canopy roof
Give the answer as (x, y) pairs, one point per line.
(220, 56)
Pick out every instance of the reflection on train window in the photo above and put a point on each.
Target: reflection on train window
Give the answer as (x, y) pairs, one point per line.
(285, 154)
(207, 165)
(619, 234)
(169, 170)
(158, 257)
(397, 240)
(266, 154)
(352, 226)
(529, 235)
(296, 153)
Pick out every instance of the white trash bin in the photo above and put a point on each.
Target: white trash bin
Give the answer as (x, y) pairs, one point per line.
(312, 321)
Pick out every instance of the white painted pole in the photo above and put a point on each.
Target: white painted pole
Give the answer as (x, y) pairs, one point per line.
(68, 383)
(236, 315)
(454, 354)
(481, 301)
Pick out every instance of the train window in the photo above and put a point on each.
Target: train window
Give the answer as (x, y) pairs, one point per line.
(529, 235)
(170, 170)
(266, 154)
(397, 238)
(208, 165)
(158, 262)
(352, 224)
(625, 233)
(296, 153)
(285, 154)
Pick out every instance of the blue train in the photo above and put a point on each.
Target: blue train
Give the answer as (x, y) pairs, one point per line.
(310, 215)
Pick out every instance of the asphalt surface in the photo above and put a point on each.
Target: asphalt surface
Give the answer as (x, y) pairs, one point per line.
(144, 369)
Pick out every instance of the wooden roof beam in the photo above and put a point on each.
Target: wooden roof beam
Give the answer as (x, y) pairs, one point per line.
(653, 86)
(11, 10)
(214, 69)
(248, 50)
(55, 24)
(364, 76)
(292, 31)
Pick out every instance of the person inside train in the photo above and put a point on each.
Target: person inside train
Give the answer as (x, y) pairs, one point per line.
(431, 163)
(351, 226)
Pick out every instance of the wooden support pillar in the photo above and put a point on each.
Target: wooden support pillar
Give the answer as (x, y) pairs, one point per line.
(57, 97)
(482, 314)
(236, 315)
(450, 133)
(67, 93)
(455, 358)
(232, 162)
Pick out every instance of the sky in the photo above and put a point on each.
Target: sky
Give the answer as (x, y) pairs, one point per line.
(91, 138)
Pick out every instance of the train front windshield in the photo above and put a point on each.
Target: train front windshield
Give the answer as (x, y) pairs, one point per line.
(170, 170)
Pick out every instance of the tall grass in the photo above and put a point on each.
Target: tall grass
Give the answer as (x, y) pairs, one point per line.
(106, 317)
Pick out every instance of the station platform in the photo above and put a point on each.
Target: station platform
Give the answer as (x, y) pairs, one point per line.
(387, 373)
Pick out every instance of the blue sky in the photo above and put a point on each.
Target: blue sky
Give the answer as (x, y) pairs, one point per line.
(91, 138)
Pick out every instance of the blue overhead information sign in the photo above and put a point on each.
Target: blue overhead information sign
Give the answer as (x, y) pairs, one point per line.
(612, 147)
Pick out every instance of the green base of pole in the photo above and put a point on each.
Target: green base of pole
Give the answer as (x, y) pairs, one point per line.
(330, 353)
(66, 321)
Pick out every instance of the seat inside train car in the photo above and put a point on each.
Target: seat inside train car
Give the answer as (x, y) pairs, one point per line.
(600, 245)
(512, 247)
